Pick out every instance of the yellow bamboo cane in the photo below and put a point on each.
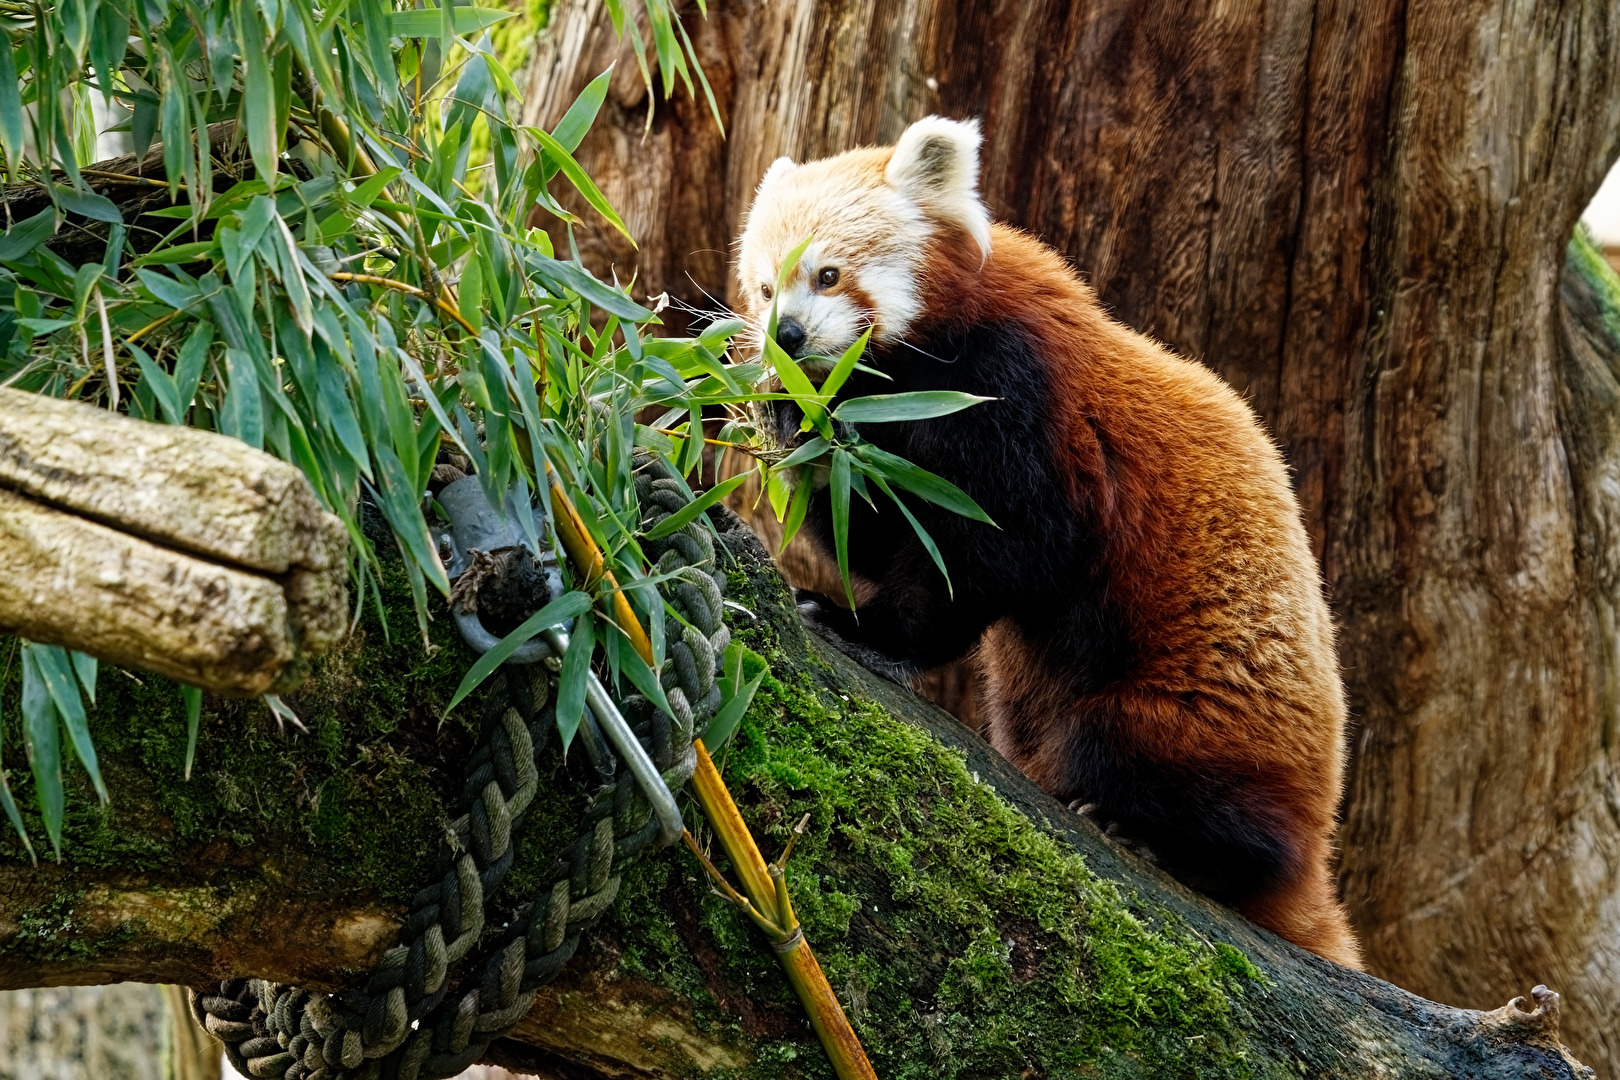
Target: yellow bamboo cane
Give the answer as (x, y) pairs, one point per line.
(764, 895)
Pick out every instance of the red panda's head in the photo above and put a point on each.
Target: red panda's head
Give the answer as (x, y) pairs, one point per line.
(872, 215)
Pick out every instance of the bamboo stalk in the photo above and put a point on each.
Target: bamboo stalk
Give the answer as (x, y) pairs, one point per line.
(766, 897)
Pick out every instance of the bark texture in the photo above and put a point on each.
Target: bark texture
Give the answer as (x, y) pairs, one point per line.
(68, 581)
(972, 926)
(195, 490)
(93, 508)
(1357, 212)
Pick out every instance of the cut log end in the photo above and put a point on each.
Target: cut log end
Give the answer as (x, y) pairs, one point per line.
(164, 548)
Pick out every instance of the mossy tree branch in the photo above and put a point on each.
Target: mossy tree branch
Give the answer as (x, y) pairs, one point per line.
(972, 926)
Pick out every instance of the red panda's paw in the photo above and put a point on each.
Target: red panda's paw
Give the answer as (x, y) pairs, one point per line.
(839, 628)
(1111, 829)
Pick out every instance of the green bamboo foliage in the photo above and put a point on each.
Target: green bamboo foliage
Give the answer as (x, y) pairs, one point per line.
(325, 270)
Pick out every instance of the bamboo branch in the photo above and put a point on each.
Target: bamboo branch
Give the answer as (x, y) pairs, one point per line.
(765, 888)
(406, 287)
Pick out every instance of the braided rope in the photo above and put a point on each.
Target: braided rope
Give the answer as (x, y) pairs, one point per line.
(453, 984)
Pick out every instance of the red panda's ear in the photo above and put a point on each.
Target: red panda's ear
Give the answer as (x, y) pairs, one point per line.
(778, 167)
(936, 164)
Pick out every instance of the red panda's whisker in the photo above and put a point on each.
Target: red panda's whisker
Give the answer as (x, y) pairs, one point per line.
(925, 352)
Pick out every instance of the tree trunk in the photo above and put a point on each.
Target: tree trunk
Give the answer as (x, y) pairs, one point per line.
(972, 926)
(193, 1053)
(1357, 212)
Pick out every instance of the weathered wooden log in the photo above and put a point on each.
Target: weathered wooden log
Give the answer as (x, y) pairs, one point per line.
(164, 548)
(136, 185)
(68, 581)
(179, 486)
(972, 926)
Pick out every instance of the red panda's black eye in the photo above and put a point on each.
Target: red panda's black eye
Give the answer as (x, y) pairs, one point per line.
(766, 290)
(828, 276)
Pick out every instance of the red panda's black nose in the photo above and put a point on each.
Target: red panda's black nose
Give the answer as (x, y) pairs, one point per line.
(790, 335)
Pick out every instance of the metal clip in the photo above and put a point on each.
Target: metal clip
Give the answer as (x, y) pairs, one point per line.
(475, 524)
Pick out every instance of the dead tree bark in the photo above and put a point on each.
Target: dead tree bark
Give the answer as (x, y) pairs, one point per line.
(972, 926)
(164, 548)
(1357, 212)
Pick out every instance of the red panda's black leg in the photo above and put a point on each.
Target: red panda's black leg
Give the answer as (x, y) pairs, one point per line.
(908, 625)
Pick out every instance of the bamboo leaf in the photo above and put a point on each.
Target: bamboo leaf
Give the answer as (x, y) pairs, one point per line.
(428, 21)
(258, 97)
(567, 606)
(641, 676)
(167, 290)
(776, 490)
(243, 413)
(188, 370)
(839, 491)
(292, 275)
(85, 667)
(913, 405)
(338, 415)
(84, 279)
(366, 193)
(798, 506)
(688, 513)
(570, 130)
(15, 815)
(565, 276)
(27, 234)
(922, 533)
(60, 682)
(840, 373)
(161, 383)
(794, 380)
(921, 482)
(471, 300)
(397, 498)
(736, 697)
(143, 125)
(576, 672)
(577, 176)
(192, 696)
(806, 452)
(44, 747)
(13, 134)
(175, 253)
(785, 271)
(174, 120)
(255, 221)
(87, 203)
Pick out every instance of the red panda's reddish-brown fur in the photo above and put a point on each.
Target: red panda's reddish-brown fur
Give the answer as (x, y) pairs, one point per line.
(1154, 634)
(1193, 571)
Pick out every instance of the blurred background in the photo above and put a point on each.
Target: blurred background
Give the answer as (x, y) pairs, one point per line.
(129, 1031)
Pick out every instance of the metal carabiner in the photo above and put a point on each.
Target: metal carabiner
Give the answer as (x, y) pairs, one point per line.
(475, 524)
(619, 733)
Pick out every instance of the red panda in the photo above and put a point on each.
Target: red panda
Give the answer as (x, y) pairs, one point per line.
(1150, 619)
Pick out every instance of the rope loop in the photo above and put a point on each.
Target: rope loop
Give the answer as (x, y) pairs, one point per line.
(453, 985)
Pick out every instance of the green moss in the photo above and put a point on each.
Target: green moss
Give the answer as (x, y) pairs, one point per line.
(1588, 260)
(964, 940)
(353, 804)
(50, 931)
